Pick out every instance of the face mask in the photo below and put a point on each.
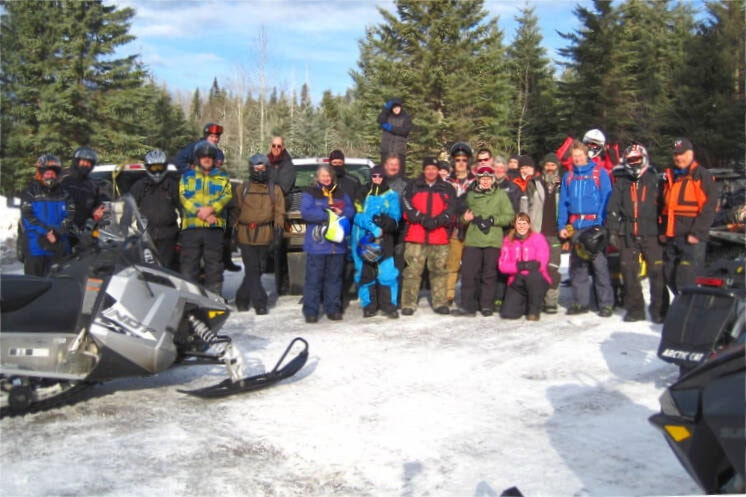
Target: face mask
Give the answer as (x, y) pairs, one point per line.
(258, 176)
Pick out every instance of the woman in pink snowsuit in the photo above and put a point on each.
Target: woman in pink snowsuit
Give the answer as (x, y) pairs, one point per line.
(524, 257)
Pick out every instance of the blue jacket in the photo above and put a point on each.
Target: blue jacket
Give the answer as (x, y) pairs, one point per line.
(374, 204)
(314, 204)
(581, 202)
(44, 209)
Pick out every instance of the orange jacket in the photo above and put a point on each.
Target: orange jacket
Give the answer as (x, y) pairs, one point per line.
(690, 202)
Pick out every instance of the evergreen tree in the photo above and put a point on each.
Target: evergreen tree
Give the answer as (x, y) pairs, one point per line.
(445, 59)
(532, 113)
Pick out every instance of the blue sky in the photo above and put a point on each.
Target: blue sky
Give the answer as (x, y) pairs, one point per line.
(186, 44)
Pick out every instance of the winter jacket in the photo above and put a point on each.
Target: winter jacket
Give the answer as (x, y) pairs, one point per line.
(84, 193)
(533, 248)
(691, 199)
(282, 171)
(582, 203)
(511, 190)
(198, 189)
(380, 201)
(184, 160)
(44, 209)
(314, 206)
(434, 204)
(395, 140)
(350, 185)
(259, 214)
(635, 205)
(485, 204)
(533, 204)
(159, 203)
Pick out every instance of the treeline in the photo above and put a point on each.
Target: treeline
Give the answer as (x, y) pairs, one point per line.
(641, 70)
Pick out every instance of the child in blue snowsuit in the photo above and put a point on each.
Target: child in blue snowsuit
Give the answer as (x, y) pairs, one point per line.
(373, 237)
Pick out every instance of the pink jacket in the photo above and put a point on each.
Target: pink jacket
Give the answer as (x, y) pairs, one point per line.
(533, 248)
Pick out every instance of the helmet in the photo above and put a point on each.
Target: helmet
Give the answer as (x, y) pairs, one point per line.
(635, 159)
(595, 140)
(204, 149)
(461, 148)
(212, 129)
(255, 174)
(591, 242)
(156, 164)
(48, 162)
(84, 153)
(369, 248)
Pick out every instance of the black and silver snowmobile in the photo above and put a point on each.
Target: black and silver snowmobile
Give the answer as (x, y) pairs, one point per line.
(112, 311)
(702, 418)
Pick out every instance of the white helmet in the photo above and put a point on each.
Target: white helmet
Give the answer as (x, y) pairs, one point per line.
(595, 140)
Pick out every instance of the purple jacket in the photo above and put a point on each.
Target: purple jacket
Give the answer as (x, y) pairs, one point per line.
(534, 248)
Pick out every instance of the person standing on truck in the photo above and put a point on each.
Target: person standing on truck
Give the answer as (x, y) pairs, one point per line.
(395, 126)
(690, 201)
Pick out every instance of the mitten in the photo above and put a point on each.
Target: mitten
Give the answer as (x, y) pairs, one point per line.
(388, 105)
(430, 223)
(386, 223)
(274, 244)
(484, 225)
(387, 127)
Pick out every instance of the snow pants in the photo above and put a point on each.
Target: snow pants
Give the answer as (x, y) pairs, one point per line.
(251, 291)
(203, 245)
(479, 278)
(324, 274)
(525, 295)
(580, 278)
(378, 285)
(629, 258)
(555, 258)
(683, 262)
(455, 255)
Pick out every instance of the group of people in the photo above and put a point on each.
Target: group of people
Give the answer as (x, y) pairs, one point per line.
(500, 230)
(498, 226)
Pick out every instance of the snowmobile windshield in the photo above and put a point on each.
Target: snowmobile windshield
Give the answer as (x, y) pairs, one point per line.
(121, 220)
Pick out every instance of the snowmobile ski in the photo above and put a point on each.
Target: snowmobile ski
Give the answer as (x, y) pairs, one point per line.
(229, 387)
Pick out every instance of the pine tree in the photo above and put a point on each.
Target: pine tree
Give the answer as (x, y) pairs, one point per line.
(532, 113)
(445, 60)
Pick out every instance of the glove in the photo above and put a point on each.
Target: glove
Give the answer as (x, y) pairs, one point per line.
(386, 223)
(416, 217)
(430, 223)
(387, 127)
(274, 244)
(528, 265)
(388, 105)
(338, 204)
(484, 225)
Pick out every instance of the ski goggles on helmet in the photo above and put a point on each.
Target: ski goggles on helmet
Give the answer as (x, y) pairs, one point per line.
(214, 129)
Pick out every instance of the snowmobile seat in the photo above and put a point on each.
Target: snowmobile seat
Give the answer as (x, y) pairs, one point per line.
(16, 291)
(33, 304)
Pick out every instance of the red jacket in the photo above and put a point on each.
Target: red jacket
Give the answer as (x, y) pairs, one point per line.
(533, 248)
(431, 204)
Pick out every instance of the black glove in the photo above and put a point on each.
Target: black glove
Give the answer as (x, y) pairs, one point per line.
(274, 244)
(416, 217)
(386, 223)
(528, 265)
(430, 223)
(484, 225)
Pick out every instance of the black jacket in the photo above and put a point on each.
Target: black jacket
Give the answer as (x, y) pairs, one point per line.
(635, 206)
(84, 193)
(159, 203)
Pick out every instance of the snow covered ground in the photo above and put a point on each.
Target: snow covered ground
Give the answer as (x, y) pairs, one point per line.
(426, 405)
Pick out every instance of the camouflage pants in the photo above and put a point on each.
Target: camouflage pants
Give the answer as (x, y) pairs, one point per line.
(416, 256)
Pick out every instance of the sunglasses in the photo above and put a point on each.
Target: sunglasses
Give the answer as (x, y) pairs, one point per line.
(484, 159)
(376, 175)
(274, 145)
(215, 129)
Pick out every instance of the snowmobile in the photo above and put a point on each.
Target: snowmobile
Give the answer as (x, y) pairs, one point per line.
(111, 311)
(707, 317)
(703, 416)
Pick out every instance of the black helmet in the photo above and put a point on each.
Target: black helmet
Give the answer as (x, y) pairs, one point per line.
(156, 164)
(212, 129)
(591, 242)
(255, 174)
(84, 153)
(204, 149)
(461, 148)
(48, 162)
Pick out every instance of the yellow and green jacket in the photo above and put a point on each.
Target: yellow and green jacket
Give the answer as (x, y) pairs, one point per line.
(199, 189)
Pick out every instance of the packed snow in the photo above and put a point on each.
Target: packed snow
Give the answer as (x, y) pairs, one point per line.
(426, 405)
